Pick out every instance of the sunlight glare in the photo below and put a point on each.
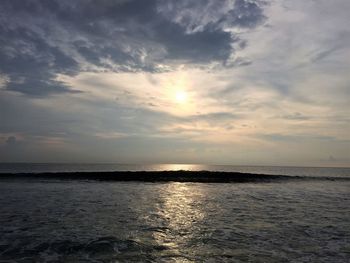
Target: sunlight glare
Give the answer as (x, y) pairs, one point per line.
(181, 96)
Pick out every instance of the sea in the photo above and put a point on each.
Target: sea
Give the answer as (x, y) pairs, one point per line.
(53, 220)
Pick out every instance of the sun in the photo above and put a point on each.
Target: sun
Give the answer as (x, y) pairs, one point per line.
(181, 96)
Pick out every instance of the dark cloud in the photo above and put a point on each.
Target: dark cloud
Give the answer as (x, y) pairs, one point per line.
(40, 39)
(245, 14)
(37, 86)
(196, 16)
(214, 117)
(304, 138)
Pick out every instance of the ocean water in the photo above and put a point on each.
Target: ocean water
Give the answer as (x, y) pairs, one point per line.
(93, 221)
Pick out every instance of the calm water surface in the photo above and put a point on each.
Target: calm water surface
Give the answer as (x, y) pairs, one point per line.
(89, 221)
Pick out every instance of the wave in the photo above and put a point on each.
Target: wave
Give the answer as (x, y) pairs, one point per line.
(103, 248)
(168, 176)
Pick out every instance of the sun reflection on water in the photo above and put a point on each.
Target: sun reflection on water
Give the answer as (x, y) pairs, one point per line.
(181, 212)
(179, 167)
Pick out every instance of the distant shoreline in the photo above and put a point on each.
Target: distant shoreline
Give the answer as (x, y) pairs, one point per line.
(164, 176)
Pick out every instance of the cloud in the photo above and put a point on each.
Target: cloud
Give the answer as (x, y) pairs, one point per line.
(41, 39)
(214, 116)
(90, 80)
(296, 116)
(197, 16)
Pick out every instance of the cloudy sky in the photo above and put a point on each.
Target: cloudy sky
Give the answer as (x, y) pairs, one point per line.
(185, 81)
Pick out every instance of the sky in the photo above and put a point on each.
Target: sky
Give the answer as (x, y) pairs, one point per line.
(241, 82)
